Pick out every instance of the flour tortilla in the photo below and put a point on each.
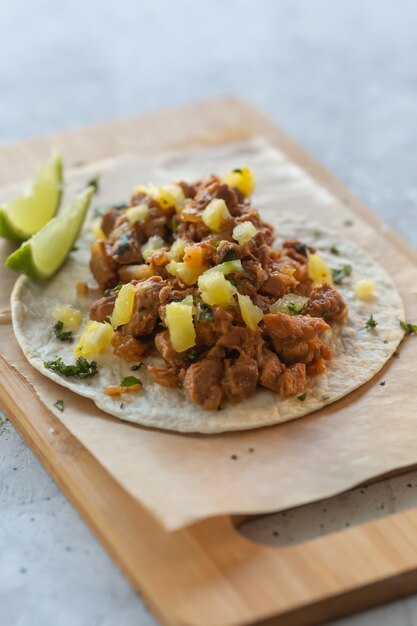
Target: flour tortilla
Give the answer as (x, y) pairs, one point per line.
(358, 353)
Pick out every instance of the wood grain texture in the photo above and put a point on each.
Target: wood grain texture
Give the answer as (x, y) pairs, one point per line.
(208, 574)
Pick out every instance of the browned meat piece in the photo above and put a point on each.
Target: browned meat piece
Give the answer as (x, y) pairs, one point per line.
(102, 265)
(127, 244)
(241, 377)
(294, 338)
(231, 196)
(189, 190)
(322, 354)
(297, 250)
(209, 331)
(271, 369)
(127, 347)
(326, 302)
(128, 273)
(293, 380)
(146, 307)
(108, 221)
(164, 346)
(102, 309)
(243, 339)
(156, 222)
(164, 376)
(202, 383)
(193, 231)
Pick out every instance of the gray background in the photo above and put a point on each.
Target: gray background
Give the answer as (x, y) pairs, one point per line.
(340, 76)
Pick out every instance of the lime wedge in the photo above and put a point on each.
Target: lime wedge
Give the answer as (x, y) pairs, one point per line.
(44, 253)
(23, 216)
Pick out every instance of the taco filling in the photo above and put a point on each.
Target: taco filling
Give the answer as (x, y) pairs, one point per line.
(189, 272)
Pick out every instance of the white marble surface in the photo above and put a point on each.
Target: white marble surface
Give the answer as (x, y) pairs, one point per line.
(341, 77)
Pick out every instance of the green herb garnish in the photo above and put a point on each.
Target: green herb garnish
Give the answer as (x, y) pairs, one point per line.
(237, 171)
(230, 255)
(60, 335)
(334, 250)
(174, 225)
(74, 249)
(120, 206)
(206, 313)
(135, 368)
(296, 310)
(59, 405)
(408, 328)
(371, 323)
(123, 244)
(340, 273)
(116, 289)
(348, 223)
(302, 397)
(129, 381)
(301, 248)
(192, 355)
(81, 369)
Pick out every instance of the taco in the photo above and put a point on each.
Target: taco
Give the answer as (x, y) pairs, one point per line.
(205, 318)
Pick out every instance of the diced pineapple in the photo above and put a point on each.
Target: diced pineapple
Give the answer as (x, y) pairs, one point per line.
(187, 273)
(176, 252)
(215, 214)
(215, 289)
(95, 338)
(242, 178)
(365, 289)
(97, 230)
(123, 307)
(244, 232)
(137, 213)
(153, 244)
(318, 270)
(251, 313)
(194, 256)
(180, 323)
(70, 317)
(291, 304)
(167, 195)
(228, 267)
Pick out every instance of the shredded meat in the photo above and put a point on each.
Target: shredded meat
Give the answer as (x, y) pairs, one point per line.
(202, 383)
(294, 338)
(326, 302)
(231, 354)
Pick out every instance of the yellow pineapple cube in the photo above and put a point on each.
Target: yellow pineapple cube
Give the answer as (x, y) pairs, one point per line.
(251, 313)
(97, 230)
(228, 267)
(241, 178)
(215, 214)
(215, 289)
(187, 273)
(153, 244)
(177, 249)
(70, 317)
(365, 289)
(123, 307)
(291, 304)
(137, 213)
(244, 232)
(180, 323)
(95, 338)
(318, 270)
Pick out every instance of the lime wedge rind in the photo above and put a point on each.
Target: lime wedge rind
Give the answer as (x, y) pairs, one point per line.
(46, 251)
(38, 202)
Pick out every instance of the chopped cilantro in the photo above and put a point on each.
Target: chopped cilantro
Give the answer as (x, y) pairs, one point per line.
(230, 255)
(59, 405)
(94, 182)
(385, 340)
(129, 381)
(174, 225)
(191, 356)
(81, 369)
(348, 223)
(123, 245)
(119, 206)
(232, 281)
(334, 250)
(60, 335)
(237, 171)
(135, 368)
(325, 397)
(122, 405)
(382, 383)
(301, 248)
(116, 289)
(396, 355)
(296, 310)
(408, 328)
(74, 249)
(206, 313)
(371, 323)
(302, 397)
(340, 273)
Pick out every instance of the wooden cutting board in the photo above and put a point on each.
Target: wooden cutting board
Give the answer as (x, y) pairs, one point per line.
(207, 574)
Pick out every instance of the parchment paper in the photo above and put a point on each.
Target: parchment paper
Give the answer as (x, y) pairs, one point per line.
(185, 478)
